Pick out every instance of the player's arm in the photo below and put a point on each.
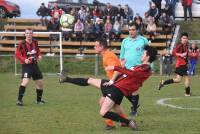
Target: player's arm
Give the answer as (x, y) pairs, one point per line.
(19, 52)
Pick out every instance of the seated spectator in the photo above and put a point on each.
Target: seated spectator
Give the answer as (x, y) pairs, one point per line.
(166, 23)
(193, 58)
(108, 29)
(53, 26)
(109, 11)
(153, 11)
(82, 13)
(88, 30)
(78, 30)
(128, 13)
(98, 28)
(151, 30)
(96, 13)
(43, 11)
(139, 24)
(116, 31)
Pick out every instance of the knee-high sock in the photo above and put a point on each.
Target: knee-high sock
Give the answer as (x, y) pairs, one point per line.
(39, 93)
(170, 81)
(187, 90)
(116, 117)
(21, 92)
(77, 81)
(135, 100)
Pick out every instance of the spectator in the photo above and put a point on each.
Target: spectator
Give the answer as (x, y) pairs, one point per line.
(108, 29)
(43, 11)
(139, 24)
(193, 58)
(98, 28)
(153, 12)
(109, 11)
(128, 13)
(116, 31)
(187, 6)
(82, 13)
(172, 6)
(52, 25)
(78, 30)
(167, 61)
(96, 13)
(166, 23)
(56, 12)
(151, 30)
(88, 30)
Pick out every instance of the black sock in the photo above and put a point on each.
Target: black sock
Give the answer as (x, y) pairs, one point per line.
(115, 117)
(134, 101)
(77, 81)
(170, 81)
(39, 94)
(21, 92)
(187, 90)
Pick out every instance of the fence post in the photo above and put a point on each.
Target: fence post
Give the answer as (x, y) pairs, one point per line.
(96, 69)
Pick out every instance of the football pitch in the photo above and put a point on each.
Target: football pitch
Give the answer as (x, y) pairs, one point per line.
(72, 109)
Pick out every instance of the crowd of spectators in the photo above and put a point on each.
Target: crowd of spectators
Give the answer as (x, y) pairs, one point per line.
(110, 21)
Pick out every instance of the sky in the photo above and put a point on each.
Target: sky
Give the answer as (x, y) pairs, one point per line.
(29, 7)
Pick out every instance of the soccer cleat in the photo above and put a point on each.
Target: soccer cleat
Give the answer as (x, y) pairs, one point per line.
(19, 103)
(40, 102)
(187, 95)
(108, 127)
(133, 113)
(132, 124)
(161, 85)
(62, 77)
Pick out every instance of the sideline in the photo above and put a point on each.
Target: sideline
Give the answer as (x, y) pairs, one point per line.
(163, 103)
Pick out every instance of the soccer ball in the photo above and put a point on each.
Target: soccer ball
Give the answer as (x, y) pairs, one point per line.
(66, 20)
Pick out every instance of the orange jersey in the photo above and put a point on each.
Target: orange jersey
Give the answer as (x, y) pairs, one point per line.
(110, 59)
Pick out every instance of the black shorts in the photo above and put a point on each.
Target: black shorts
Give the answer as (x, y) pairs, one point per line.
(112, 92)
(31, 70)
(182, 70)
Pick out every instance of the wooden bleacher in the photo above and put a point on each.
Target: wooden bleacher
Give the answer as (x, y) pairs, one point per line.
(7, 42)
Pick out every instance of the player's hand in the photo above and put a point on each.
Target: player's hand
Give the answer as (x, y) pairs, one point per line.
(27, 61)
(108, 83)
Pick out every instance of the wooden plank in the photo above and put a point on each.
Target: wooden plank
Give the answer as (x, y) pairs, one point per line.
(22, 35)
(12, 27)
(20, 20)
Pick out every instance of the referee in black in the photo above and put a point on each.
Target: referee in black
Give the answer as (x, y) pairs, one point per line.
(28, 53)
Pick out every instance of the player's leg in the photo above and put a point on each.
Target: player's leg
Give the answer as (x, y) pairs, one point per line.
(26, 75)
(177, 79)
(187, 86)
(38, 78)
(22, 89)
(114, 97)
(134, 99)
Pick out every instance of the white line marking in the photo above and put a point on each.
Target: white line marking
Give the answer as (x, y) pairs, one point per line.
(163, 103)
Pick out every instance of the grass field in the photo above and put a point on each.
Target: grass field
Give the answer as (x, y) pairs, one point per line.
(73, 110)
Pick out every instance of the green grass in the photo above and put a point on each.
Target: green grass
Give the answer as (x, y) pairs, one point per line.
(72, 109)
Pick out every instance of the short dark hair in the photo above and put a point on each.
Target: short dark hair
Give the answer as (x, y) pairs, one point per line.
(102, 41)
(184, 34)
(131, 24)
(151, 52)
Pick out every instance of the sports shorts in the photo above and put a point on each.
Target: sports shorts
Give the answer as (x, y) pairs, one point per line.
(31, 71)
(182, 70)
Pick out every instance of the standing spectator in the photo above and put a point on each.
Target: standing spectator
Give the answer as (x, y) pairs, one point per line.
(96, 13)
(187, 6)
(78, 29)
(43, 11)
(28, 53)
(167, 61)
(82, 14)
(56, 13)
(193, 58)
(132, 49)
(172, 6)
(181, 54)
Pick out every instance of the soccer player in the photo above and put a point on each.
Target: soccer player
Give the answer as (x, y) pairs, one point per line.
(109, 59)
(28, 53)
(132, 49)
(127, 84)
(181, 54)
